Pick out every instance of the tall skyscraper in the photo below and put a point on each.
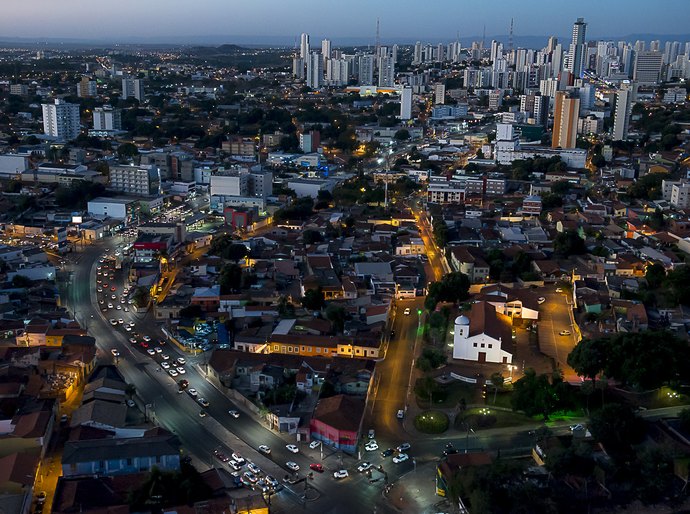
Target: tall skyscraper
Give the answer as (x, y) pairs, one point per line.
(577, 48)
(565, 116)
(61, 120)
(386, 72)
(304, 46)
(298, 67)
(406, 103)
(133, 88)
(417, 56)
(621, 117)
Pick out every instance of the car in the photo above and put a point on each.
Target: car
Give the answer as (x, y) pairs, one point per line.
(101, 302)
(371, 434)
(578, 427)
(253, 468)
(341, 473)
(144, 344)
(202, 414)
(133, 340)
(271, 481)
(238, 458)
(183, 384)
(387, 453)
(113, 322)
(41, 498)
(403, 447)
(147, 339)
(113, 288)
(99, 289)
(450, 451)
(292, 448)
(236, 466)
(203, 402)
(158, 349)
(105, 286)
(115, 352)
(363, 467)
(559, 289)
(564, 333)
(316, 467)
(400, 414)
(402, 457)
(541, 300)
(192, 392)
(151, 351)
(234, 413)
(314, 444)
(292, 465)
(371, 446)
(132, 324)
(181, 371)
(128, 328)
(165, 357)
(118, 307)
(113, 297)
(161, 342)
(407, 311)
(165, 365)
(173, 374)
(265, 449)
(181, 361)
(130, 403)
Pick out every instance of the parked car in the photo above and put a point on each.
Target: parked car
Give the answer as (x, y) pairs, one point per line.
(403, 447)
(371, 446)
(292, 448)
(316, 467)
(314, 444)
(564, 332)
(407, 311)
(371, 433)
(292, 465)
(541, 300)
(402, 457)
(388, 452)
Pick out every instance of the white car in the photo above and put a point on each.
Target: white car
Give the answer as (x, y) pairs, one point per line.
(363, 467)
(181, 361)
(172, 373)
(158, 349)
(165, 365)
(128, 328)
(254, 468)
(559, 289)
(115, 352)
(564, 332)
(314, 444)
(340, 474)
(371, 446)
(181, 371)
(192, 392)
(407, 312)
(110, 306)
(292, 465)
(238, 458)
(265, 449)
(147, 339)
(400, 458)
(292, 448)
(118, 307)
(235, 415)
(113, 322)
(541, 300)
(151, 351)
(133, 340)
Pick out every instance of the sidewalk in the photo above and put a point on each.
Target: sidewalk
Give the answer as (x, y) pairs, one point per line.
(415, 492)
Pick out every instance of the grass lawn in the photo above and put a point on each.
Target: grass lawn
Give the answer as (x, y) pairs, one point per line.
(432, 422)
(502, 398)
(479, 419)
(447, 396)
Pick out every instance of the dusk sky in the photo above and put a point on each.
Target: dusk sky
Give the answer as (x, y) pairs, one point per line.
(430, 20)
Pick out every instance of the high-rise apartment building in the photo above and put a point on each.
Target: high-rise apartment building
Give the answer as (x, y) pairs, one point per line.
(107, 119)
(647, 68)
(417, 55)
(61, 120)
(577, 48)
(326, 51)
(135, 180)
(386, 71)
(406, 103)
(86, 88)
(315, 70)
(366, 70)
(298, 68)
(439, 93)
(304, 46)
(133, 88)
(621, 117)
(565, 115)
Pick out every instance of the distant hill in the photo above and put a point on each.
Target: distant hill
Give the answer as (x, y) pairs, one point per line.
(216, 50)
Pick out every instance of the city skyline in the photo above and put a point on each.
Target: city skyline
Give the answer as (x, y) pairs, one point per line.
(272, 21)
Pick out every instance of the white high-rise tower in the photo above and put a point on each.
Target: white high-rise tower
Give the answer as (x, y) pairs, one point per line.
(304, 46)
(577, 48)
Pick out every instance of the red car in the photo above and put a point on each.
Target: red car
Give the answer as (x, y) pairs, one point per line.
(144, 344)
(316, 467)
(113, 288)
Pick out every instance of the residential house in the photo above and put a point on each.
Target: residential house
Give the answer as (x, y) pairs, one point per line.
(337, 422)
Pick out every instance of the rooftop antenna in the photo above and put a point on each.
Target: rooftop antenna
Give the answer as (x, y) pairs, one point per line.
(510, 37)
(378, 37)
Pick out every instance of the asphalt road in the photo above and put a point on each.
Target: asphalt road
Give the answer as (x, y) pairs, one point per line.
(555, 316)
(157, 396)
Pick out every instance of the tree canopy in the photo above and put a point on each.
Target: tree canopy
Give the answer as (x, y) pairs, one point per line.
(453, 287)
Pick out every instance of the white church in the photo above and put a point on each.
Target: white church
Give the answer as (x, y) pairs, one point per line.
(484, 336)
